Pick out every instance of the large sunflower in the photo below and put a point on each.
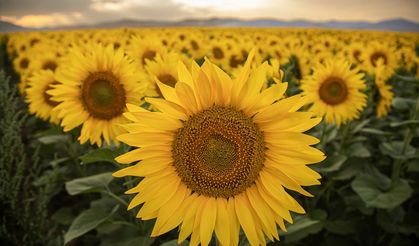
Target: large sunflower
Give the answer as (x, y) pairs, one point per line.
(40, 102)
(335, 91)
(219, 156)
(94, 90)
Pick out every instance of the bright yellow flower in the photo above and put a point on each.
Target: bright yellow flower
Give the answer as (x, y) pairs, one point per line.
(220, 155)
(94, 89)
(335, 91)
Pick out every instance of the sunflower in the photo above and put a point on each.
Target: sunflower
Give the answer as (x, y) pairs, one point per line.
(40, 102)
(142, 49)
(22, 62)
(164, 69)
(94, 90)
(385, 95)
(219, 156)
(334, 89)
(379, 51)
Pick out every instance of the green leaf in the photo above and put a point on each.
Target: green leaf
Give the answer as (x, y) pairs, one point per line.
(375, 131)
(359, 150)
(85, 222)
(332, 163)
(351, 168)
(341, 227)
(174, 243)
(402, 103)
(395, 148)
(51, 139)
(63, 216)
(140, 240)
(88, 184)
(405, 123)
(97, 155)
(379, 193)
(360, 126)
(413, 166)
(301, 228)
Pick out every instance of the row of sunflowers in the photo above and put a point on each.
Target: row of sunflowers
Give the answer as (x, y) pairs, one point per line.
(222, 124)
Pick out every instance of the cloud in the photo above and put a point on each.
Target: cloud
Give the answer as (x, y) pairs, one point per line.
(49, 20)
(54, 12)
(41, 7)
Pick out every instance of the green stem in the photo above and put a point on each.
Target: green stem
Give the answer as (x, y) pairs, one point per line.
(322, 144)
(344, 136)
(113, 195)
(397, 165)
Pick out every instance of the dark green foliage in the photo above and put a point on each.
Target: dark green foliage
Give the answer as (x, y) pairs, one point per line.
(23, 205)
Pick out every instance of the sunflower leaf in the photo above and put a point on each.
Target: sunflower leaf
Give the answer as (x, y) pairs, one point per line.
(377, 191)
(395, 148)
(174, 243)
(86, 221)
(97, 155)
(332, 163)
(302, 227)
(88, 184)
(359, 150)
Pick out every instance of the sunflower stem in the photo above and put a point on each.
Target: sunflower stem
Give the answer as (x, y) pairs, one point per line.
(344, 137)
(397, 165)
(114, 196)
(322, 144)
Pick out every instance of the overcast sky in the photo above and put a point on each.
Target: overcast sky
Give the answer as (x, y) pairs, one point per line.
(42, 13)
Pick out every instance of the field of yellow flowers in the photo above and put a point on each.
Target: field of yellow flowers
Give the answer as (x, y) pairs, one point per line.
(211, 136)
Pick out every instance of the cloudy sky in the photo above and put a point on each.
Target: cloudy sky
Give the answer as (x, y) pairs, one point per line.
(43, 13)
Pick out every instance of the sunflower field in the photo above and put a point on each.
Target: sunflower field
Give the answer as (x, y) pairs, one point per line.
(211, 136)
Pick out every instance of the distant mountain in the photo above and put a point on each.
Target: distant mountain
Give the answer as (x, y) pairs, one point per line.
(389, 25)
(9, 27)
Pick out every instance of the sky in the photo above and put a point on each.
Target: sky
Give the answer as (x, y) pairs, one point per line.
(49, 13)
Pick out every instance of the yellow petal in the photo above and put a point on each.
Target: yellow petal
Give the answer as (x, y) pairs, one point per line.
(170, 108)
(262, 210)
(207, 225)
(289, 183)
(170, 214)
(234, 223)
(245, 218)
(145, 167)
(141, 154)
(187, 97)
(146, 139)
(222, 224)
(290, 138)
(189, 219)
(276, 205)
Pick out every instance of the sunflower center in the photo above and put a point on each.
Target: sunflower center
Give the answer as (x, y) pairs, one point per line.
(51, 65)
(47, 97)
(333, 91)
(194, 45)
(218, 53)
(148, 55)
(357, 55)
(167, 79)
(376, 56)
(103, 96)
(24, 63)
(234, 61)
(219, 152)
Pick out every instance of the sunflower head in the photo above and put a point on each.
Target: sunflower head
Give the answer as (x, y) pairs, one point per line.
(40, 102)
(96, 95)
(219, 155)
(335, 91)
